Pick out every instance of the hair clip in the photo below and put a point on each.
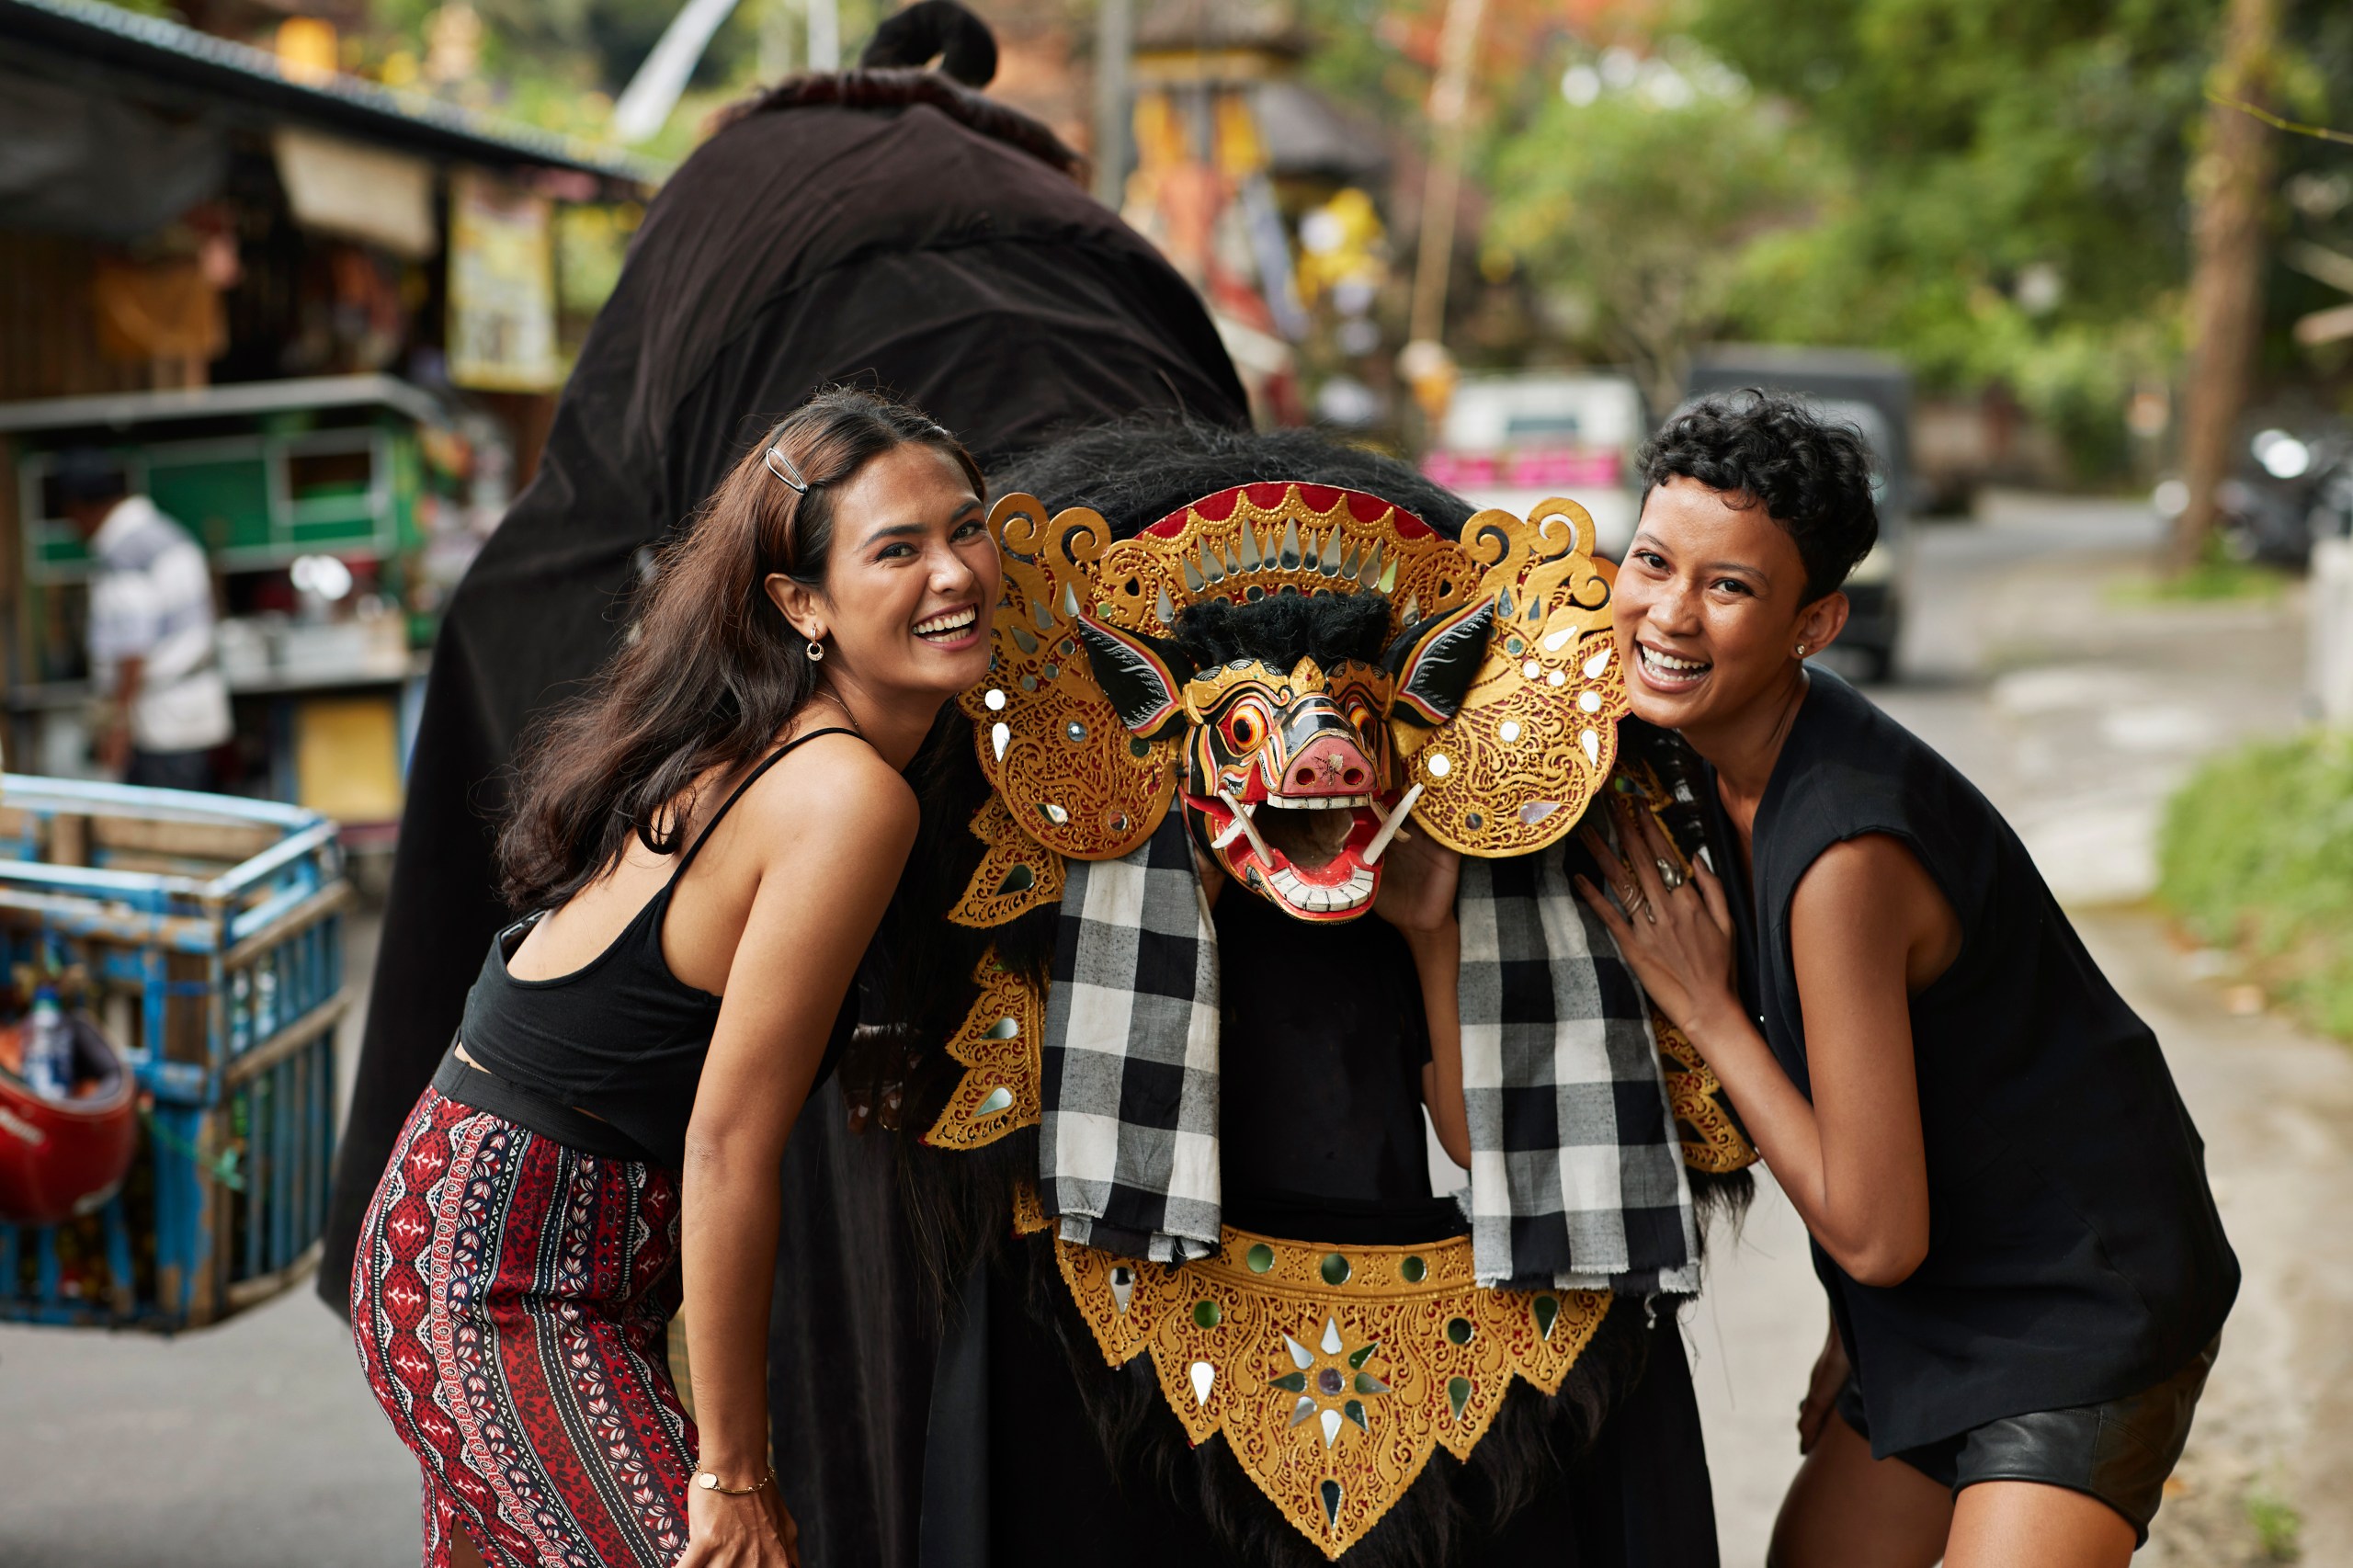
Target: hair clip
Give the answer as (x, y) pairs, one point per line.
(781, 466)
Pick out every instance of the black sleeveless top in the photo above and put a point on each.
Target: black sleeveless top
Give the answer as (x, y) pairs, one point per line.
(620, 1038)
(2074, 1254)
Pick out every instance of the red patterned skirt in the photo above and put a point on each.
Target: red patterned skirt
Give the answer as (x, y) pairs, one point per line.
(510, 1300)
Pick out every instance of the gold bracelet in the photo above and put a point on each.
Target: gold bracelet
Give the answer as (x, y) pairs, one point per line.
(709, 1482)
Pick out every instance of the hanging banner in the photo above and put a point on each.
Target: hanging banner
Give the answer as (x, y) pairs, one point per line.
(502, 287)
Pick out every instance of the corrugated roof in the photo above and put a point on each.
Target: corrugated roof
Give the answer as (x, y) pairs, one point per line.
(250, 83)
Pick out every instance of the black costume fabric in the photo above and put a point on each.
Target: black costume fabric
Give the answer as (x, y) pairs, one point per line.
(893, 246)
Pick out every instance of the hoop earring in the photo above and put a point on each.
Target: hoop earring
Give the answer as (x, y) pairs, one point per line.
(816, 652)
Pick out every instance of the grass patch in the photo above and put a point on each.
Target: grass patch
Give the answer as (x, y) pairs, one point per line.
(2216, 580)
(2278, 1528)
(2255, 854)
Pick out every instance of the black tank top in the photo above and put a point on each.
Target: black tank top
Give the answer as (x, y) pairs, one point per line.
(2074, 1254)
(620, 1038)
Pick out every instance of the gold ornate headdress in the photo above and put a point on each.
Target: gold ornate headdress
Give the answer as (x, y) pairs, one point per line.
(1508, 772)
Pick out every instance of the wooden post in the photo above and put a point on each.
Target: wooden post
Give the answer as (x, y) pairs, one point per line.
(1115, 43)
(2230, 182)
(1449, 101)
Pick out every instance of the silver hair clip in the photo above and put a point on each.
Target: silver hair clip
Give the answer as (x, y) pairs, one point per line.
(781, 466)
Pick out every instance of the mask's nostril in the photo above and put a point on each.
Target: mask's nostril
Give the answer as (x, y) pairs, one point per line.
(1353, 775)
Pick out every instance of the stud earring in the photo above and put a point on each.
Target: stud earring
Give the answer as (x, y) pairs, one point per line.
(1800, 650)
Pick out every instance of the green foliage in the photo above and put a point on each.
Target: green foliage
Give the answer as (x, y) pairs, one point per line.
(2279, 1527)
(1641, 211)
(2014, 206)
(2256, 853)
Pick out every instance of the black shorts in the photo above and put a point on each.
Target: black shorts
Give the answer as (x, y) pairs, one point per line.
(2120, 1451)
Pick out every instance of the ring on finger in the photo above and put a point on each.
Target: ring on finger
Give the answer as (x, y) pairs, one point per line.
(1668, 874)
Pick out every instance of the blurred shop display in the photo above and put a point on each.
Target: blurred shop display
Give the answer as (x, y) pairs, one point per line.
(188, 950)
(337, 513)
(1239, 172)
(1872, 393)
(319, 322)
(1513, 440)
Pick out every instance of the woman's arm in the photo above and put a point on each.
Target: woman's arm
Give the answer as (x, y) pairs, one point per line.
(1417, 887)
(1866, 923)
(820, 898)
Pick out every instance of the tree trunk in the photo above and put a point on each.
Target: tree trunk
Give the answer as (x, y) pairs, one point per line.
(2230, 183)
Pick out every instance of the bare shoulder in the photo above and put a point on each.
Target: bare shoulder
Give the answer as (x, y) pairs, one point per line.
(834, 791)
(1871, 887)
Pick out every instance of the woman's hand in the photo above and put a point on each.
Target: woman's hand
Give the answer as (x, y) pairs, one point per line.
(1830, 1370)
(748, 1530)
(1678, 939)
(1419, 876)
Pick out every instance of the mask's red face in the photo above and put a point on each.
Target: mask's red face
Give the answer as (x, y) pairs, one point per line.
(1291, 778)
(1288, 780)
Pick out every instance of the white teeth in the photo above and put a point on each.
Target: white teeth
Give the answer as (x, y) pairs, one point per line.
(954, 620)
(1668, 661)
(1319, 802)
(1301, 894)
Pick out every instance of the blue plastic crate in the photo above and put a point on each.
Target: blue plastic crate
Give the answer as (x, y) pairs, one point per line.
(210, 927)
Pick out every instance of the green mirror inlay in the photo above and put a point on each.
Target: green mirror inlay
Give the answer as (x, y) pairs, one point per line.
(1335, 1269)
(1354, 1410)
(1208, 1313)
(1458, 1330)
(1458, 1394)
(1414, 1270)
(1260, 1257)
(1362, 1354)
(1547, 1312)
(1291, 1382)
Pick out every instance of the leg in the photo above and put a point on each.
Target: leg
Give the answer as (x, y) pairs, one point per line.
(2026, 1524)
(1847, 1509)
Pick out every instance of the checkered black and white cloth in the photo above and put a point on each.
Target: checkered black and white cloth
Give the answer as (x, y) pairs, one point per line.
(1127, 1145)
(1577, 1174)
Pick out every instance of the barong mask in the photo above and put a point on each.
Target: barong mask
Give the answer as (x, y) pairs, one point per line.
(1485, 709)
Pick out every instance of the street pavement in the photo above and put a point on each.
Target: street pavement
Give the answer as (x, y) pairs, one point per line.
(256, 1444)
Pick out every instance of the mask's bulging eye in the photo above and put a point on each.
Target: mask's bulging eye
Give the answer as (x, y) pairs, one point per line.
(1245, 728)
(1361, 717)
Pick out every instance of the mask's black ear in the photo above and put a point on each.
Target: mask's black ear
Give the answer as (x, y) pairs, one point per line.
(1434, 660)
(1144, 677)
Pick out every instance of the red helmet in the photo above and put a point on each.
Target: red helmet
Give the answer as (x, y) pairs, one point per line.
(59, 1158)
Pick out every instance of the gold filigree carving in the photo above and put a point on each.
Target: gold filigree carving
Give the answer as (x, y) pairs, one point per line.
(1030, 1216)
(1333, 1372)
(1016, 875)
(1049, 742)
(1537, 733)
(998, 1046)
(1713, 1140)
(1278, 537)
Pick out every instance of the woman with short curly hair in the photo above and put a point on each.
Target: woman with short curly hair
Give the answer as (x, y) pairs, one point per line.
(2006, 1200)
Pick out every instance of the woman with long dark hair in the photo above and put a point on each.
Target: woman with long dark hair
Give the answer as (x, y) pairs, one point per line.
(2007, 1199)
(705, 842)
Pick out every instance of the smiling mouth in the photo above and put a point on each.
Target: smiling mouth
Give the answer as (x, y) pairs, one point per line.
(1307, 854)
(1665, 669)
(949, 625)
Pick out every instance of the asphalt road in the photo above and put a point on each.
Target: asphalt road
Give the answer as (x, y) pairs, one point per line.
(255, 1445)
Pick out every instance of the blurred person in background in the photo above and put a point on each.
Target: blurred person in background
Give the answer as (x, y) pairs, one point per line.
(166, 708)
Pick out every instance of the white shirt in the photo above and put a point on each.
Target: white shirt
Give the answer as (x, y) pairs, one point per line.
(151, 599)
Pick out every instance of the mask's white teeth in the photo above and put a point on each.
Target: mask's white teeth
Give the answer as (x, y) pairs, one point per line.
(1391, 826)
(1235, 828)
(1241, 821)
